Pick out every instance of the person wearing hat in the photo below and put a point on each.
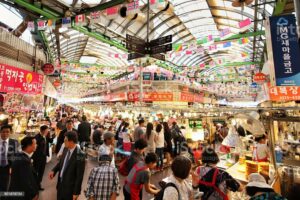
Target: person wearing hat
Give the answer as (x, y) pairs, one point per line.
(103, 182)
(258, 189)
(108, 147)
(213, 182)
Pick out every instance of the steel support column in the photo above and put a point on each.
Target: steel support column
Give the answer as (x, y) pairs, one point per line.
(297, 10)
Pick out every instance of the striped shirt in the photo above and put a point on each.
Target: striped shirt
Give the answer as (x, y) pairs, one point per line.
(102, 182)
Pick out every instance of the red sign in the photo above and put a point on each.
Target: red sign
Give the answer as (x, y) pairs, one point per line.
(56, 83)
(117, 97)
(15, 80)
(48, 68)
(289, 93)
(199, 98)
(259, 78)
(151, 96)
(186, 97)
(133, 96)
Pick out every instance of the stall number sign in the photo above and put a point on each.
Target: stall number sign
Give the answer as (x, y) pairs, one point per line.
(15, 80)
(285, 50)
(291, 93)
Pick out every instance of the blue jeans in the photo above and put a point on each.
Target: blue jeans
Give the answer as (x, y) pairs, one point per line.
(160, 154)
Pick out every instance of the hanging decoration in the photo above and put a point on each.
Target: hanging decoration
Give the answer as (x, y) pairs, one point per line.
(41, 25)
(112, 13)
(80, 20)
(30, 26)
(133, 7)
(51, 24)
(66, 22)
(225, 33)
(244, 25)
(95, 17)
(177, 47)
(157, 4)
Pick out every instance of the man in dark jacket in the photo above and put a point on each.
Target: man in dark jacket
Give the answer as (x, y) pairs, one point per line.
(61, 136)
(70, 169)
(23, 177)
(9, 149)
(84, 131)
(40, 155)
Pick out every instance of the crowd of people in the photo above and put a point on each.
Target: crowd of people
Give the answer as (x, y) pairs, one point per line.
(142, 148)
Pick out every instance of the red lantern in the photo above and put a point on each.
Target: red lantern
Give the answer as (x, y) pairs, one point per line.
(48, 68)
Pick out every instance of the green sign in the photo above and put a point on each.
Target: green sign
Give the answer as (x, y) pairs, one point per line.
(195, 123)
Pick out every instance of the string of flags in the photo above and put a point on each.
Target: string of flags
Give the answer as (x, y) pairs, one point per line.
(132, 8)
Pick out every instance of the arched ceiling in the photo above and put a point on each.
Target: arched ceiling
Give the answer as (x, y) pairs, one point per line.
(189, 21)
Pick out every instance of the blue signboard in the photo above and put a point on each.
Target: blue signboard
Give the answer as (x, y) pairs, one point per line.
(286, 52)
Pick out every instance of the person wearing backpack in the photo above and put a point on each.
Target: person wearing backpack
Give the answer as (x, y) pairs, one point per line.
(177, 138)
(139, 177)
(136, 156)
(210, 180)
(177, 186)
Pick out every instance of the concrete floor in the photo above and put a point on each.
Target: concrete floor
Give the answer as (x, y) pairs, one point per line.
(50, 185)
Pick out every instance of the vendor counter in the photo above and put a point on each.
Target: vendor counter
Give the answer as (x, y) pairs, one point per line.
(237, 171)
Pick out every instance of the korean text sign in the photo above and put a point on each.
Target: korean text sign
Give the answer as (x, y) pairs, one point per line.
(15, 80)
(289, 93)
(286, 51)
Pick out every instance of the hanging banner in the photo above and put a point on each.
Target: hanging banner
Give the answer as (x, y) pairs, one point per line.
(95, 17)
(283, 50)
(151, 96)
(245, 24)
(186, 97)
(284, 93)
(66, 22)
(15, 80)
(133, 7)
(80, 20)
(122, 96)
(41, 25)
(30, 26)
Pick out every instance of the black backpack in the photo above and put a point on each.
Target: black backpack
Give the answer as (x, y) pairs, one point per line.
(160, 194)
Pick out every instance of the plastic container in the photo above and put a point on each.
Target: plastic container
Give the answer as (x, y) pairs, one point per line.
(278, 154)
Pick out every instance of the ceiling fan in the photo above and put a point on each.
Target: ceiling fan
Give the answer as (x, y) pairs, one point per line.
(241, 3)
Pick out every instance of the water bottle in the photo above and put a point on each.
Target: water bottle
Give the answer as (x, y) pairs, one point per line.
(278, 154)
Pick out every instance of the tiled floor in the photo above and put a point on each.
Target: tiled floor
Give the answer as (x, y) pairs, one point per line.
(50, 185)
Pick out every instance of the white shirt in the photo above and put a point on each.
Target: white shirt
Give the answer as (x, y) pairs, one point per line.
(105, 150)
(61, 150)
(261, 151)
(160, 142)
(71, 153)
(6, 150)
(184, 188)
(29, 155)
(126, 137)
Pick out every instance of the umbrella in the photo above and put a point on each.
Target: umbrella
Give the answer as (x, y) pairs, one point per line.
(249, 123)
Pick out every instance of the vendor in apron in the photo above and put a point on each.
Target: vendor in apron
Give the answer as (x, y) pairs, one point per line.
(261, 149)
(210, 180)
(138, 177)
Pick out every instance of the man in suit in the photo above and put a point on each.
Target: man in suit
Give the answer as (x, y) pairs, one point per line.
(84, 131)
(61, 137)
(23, 177)
(8, 150)
(40, 155)
(70, 169)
